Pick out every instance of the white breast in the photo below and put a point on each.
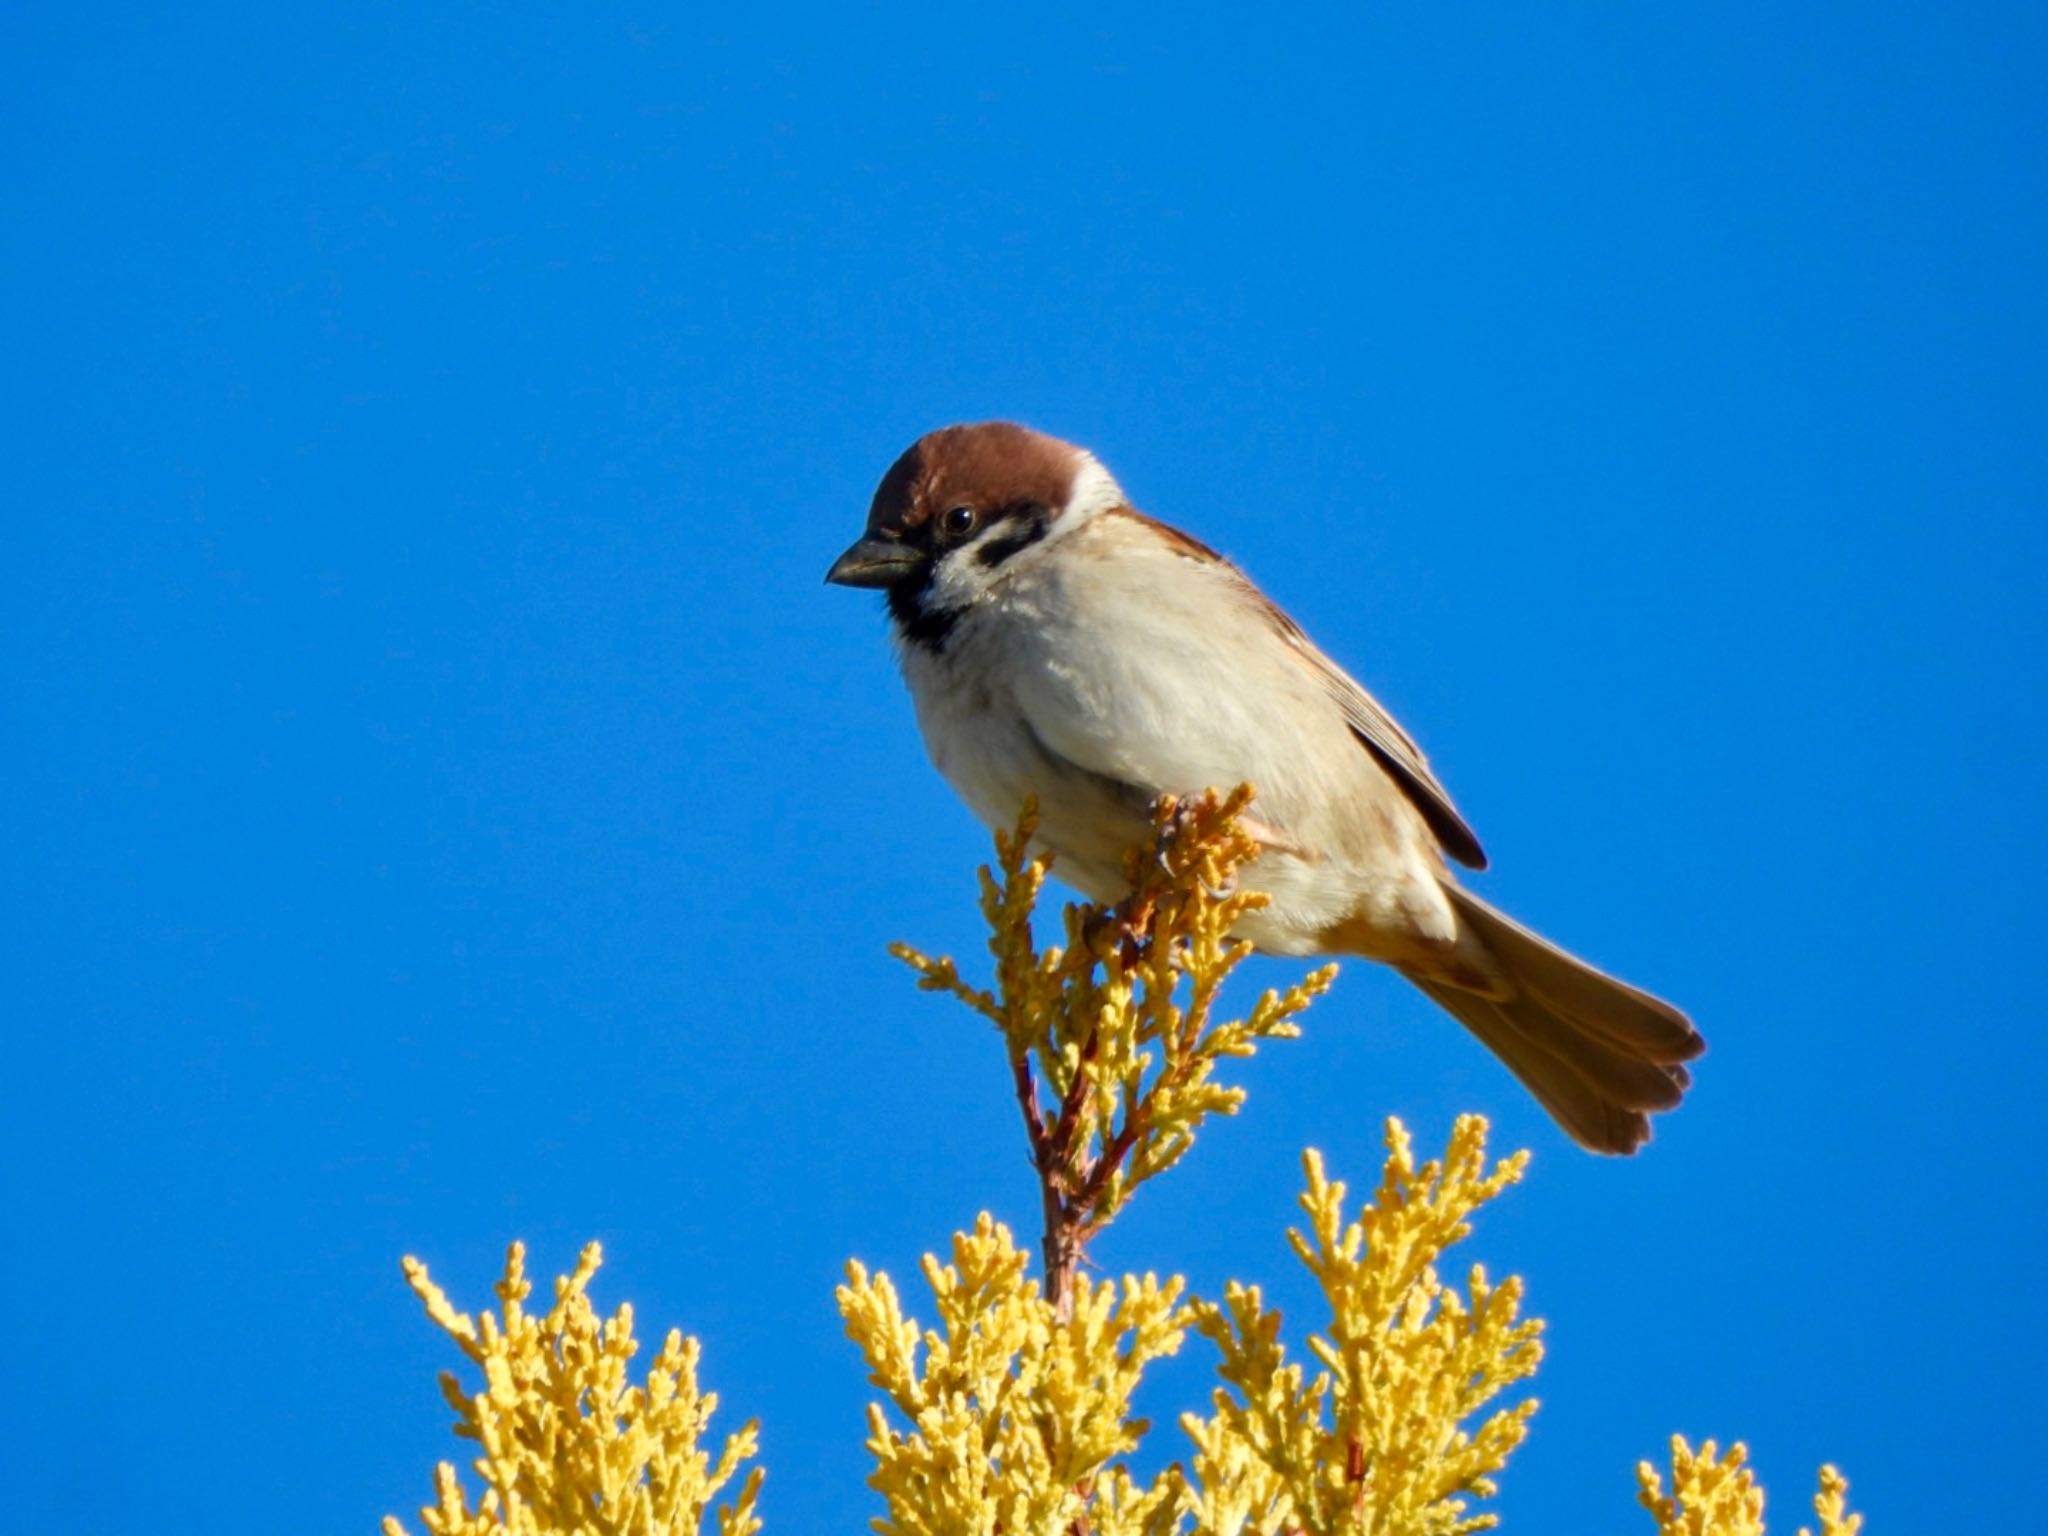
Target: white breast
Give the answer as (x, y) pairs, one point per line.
(1115, 669)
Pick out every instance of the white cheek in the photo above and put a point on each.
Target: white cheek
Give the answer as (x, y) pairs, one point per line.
(961, 578)
(958, 580)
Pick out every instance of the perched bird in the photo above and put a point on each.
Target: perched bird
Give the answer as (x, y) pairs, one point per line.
(1060, 644)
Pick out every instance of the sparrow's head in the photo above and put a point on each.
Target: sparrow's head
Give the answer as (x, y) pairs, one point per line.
(960, 509)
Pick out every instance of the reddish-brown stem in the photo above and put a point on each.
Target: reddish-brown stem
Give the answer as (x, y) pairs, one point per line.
(1122, 1143)
(1070, 1195)
(1067, 1122)
(1027, 1102)
(1061, 1250)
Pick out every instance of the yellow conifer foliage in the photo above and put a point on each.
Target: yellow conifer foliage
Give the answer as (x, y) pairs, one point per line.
(1380, 1440)
(1011, 1415)
(1716, 1494)
(1014, 1410)
(570, 1445)
(1018, 1417)
(1114, 1061)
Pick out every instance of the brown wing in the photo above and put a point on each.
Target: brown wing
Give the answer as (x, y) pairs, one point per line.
(1393, 748)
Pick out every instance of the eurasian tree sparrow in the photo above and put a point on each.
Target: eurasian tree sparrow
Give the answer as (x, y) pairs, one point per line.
(1060, 644)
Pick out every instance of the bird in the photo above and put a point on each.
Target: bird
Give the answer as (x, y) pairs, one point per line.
(1063, 646)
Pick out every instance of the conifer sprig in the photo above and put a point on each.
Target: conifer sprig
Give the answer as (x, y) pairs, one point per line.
(1113, 1036)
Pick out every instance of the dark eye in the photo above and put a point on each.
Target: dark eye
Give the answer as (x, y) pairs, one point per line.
(958, 522)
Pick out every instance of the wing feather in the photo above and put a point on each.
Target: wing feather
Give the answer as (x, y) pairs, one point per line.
(1395, 750)
(1376, 730)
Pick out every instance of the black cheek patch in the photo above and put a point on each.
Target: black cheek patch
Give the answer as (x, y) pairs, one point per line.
(1030, 526)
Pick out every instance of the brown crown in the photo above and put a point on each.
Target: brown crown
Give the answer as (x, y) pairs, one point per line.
(987, 465)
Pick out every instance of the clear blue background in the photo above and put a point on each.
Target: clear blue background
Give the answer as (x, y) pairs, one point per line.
(442, 804)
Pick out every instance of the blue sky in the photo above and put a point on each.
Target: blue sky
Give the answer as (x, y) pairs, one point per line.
(443, 804)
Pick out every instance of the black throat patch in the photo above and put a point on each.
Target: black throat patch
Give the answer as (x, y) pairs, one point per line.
(920, 624)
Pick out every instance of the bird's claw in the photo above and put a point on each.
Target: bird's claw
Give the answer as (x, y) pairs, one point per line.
(1122, 930)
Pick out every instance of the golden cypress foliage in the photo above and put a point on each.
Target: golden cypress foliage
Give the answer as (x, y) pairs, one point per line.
(1112, 1059)
(1011, 1413)
(1018, 1417)
(1014, 1409)
(1115, 1042)
(568, 1444)
(1831, 1506)
(1716, 1494)
(1381, 1438)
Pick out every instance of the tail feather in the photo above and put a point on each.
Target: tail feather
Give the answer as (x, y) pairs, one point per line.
(1589, 1116)
(1644, 1026)
(1599, 1055)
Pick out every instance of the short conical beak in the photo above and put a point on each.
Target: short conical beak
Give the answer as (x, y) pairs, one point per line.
(874, 562)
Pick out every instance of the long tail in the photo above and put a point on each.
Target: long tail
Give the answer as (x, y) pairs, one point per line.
(1600, 1055)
